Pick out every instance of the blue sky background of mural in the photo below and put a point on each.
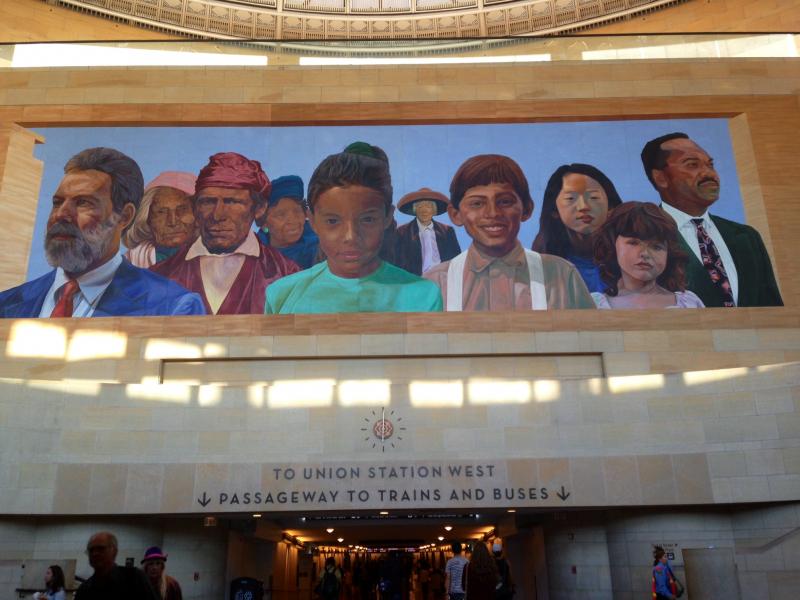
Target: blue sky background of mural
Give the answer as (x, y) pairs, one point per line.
(419, 155)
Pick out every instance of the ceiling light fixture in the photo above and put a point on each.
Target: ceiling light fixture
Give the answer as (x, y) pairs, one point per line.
(329, 530)
(448, 527)
(340, 540)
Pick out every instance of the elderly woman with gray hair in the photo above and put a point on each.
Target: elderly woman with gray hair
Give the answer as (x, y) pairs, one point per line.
(164, 221)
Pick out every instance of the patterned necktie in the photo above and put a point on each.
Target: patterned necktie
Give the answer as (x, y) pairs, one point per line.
(64, 306)
(713, 263)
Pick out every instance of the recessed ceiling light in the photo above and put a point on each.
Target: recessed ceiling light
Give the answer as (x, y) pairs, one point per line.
(512, 510)
(448, 527)
(329, 530)
(256, 515)
(384, 512)
(340, 540)
(441, 537)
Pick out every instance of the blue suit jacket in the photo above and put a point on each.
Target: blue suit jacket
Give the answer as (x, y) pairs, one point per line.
(132, 292)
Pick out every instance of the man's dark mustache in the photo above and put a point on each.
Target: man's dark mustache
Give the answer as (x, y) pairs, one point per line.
(709, 180)
(64, 229)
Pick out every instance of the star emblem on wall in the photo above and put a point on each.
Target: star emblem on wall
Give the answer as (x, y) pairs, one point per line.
(382, 429)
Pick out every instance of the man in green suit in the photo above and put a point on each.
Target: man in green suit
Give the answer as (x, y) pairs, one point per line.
(731, 266)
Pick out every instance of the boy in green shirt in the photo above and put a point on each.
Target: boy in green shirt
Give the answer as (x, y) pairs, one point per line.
(350, 198)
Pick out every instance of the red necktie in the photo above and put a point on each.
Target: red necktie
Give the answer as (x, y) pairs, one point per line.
(713, 263)
(64, 306)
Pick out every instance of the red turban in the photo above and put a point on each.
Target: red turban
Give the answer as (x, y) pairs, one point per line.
(234, 171)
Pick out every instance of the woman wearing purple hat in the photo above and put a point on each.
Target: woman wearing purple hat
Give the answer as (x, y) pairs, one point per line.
(154, 563)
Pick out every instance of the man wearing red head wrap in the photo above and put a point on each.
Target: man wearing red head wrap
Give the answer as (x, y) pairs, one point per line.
(227, 265)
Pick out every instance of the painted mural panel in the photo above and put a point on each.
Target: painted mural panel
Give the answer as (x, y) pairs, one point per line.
(292, 220)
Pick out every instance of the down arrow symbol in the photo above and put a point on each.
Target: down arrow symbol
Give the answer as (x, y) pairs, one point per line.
(563, 494)
(204, 500)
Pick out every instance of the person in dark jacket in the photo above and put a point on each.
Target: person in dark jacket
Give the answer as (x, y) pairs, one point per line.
(424, 243)
(109, 579)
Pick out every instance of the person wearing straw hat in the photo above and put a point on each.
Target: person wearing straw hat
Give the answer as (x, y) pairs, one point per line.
(424, 243)
(154, 563)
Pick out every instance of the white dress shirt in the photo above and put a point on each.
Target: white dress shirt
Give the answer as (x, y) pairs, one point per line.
(219, 271)
(92, 285)
(689, 232)
(430, 249)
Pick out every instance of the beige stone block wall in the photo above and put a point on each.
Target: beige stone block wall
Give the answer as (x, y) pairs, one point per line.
(694, 437)
(20, 177)
(717, 15)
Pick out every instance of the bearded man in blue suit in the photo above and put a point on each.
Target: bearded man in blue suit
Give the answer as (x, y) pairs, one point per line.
(94, 203)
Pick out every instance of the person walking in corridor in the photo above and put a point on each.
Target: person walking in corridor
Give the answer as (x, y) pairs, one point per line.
(453, 573)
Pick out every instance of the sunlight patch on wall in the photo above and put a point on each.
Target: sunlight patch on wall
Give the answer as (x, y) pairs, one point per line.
(214, 350)
(712, 376)
(88, 344)
(151, 389)
(435, 394)
(546, 390)
(255, 394)
(635, 383)
(37, 340)
(438, 60)
(496, 391)
(364, 392)
(301, 393)
(755, 46)
(160, 348)
(106, 55)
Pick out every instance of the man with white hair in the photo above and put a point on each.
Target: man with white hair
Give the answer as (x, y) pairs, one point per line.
(109, 579)
(424, 243)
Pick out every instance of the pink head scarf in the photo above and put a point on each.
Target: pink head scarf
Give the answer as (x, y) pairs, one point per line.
(178, 180)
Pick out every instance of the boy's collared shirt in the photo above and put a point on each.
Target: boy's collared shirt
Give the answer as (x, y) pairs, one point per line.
(503, 283)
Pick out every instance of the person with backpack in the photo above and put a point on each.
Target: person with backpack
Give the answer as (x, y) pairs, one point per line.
(665, 585)
(505, 586)
(330, 581)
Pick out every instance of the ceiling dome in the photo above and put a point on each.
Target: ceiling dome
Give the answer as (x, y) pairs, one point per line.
(365, 19)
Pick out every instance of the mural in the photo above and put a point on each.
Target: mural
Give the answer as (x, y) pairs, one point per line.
(392, 219)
